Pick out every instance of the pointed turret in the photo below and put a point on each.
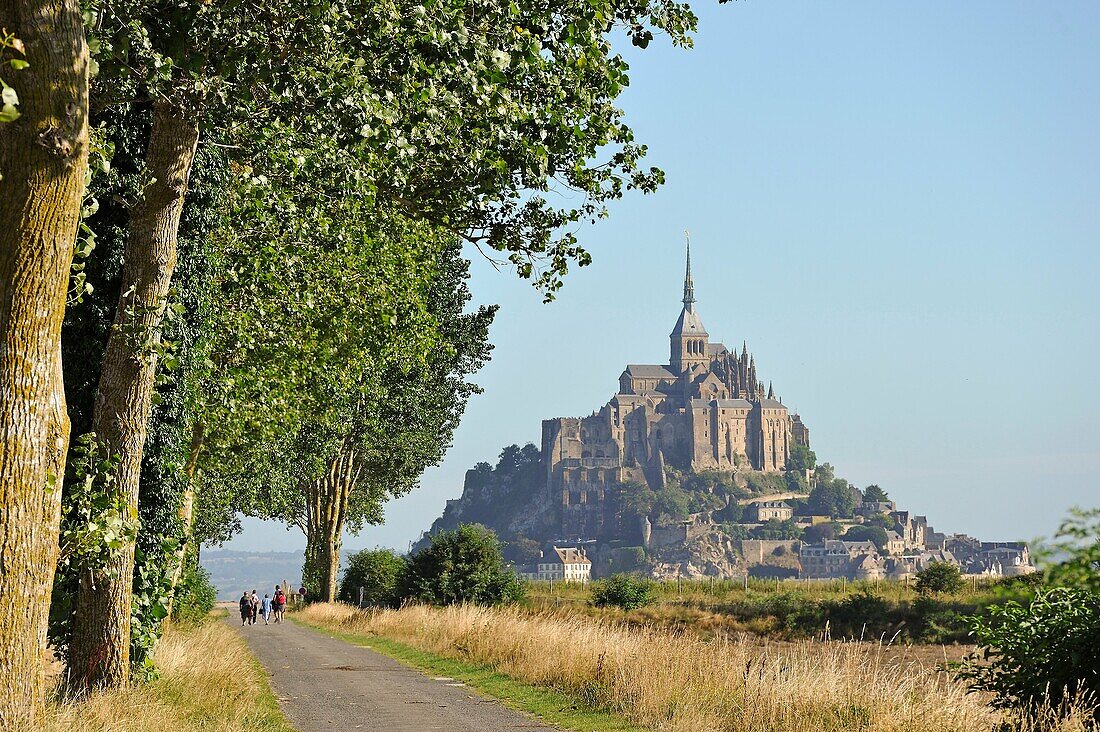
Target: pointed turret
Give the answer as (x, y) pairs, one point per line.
(771, 391)
(688, 341)
(689, 286)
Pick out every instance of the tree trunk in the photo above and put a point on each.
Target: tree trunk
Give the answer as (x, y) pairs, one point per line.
(100, 650)
(187, 509)
(43, 160)
(326, 509)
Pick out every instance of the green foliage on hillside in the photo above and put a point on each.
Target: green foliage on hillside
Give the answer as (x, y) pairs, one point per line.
(776, 529)
(820, 532)
(875, 493)
(497, 496)
(876, 534)
(801, 459)
(832, 496)
(762, 484)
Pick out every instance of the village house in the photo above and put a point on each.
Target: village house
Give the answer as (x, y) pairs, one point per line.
(874, 508)
(836, 559)
(895, 544)
(762, 511)
(562, 564)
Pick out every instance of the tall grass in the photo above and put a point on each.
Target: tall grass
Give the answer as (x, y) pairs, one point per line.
(209, 681)
(672, 681)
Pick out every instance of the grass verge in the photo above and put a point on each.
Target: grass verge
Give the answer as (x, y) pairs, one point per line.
(553, 707)
(657, 678)
(209, 682)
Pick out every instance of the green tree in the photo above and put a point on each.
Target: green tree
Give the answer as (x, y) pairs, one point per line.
(875, 493)
(44, 147)
(881, 519)
(671, 501)
(940, 578)
(832, 497)
(623, 591)
(460, 566)
(1076, 551)
(875, 534)
(820, 532)
(801, 459)
(636, 499)
(378, 573)
(1041, 655)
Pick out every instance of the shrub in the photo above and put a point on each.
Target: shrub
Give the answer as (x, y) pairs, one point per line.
(622, 591)
(1047, 652)
(195, 596)
(464, 565)
(379, 572)
(940, 577)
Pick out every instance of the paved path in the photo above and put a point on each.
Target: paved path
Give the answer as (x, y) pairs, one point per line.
(324, 683)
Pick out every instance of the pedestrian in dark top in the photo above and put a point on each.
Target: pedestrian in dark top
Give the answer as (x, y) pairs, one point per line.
(246, 608)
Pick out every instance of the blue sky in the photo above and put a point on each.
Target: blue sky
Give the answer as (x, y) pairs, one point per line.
(896, 204)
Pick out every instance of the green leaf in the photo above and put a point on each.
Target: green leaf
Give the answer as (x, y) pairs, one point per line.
(18, 64)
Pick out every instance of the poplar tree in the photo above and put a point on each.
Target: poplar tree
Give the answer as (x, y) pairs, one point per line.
(43, 153)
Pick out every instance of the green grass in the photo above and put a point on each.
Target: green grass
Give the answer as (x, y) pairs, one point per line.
(553, 707)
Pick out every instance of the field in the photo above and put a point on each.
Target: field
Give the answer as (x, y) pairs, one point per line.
(208, 682)
(659, 678)
(881, 612)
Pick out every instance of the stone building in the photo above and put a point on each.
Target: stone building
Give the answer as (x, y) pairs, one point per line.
(762, 511)
(707, 408)
(565, 564)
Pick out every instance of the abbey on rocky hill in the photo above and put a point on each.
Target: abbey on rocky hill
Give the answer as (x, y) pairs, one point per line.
(705, 410)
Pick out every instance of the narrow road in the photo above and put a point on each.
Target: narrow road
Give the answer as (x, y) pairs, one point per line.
(324, 683)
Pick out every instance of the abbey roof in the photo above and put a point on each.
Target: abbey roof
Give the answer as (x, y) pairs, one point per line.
(649, 371)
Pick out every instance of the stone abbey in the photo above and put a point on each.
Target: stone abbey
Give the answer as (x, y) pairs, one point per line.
(705, 410)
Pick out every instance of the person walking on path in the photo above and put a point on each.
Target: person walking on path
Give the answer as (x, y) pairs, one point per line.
(255, 601)
(246, 608)
(279, 603)
(265, 607)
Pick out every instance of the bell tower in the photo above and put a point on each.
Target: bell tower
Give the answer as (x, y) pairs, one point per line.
(688, 339)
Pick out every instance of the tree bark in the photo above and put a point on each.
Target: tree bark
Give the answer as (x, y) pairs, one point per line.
(187, 508)
(100, 650)
(43, 160)
(326, 510)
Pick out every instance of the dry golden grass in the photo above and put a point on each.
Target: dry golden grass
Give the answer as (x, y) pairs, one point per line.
(209, 681)
(665, 680)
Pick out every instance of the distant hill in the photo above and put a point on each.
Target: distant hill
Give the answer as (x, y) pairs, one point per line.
(233, 572)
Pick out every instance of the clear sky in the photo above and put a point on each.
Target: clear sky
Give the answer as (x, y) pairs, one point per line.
(896, 204)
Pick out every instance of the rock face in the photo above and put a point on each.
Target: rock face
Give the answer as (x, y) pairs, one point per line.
(710, 554)
(511, 499)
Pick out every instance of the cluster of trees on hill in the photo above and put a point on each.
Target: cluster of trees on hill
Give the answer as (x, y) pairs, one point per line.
(249, 219)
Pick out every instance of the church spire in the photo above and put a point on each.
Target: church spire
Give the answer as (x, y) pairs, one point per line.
(689, 287)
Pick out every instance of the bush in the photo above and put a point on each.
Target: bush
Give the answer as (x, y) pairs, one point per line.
(379, 572)
(195, 597)
(1045, 653)
(464, 565)
(940, 577)
(622, 591)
